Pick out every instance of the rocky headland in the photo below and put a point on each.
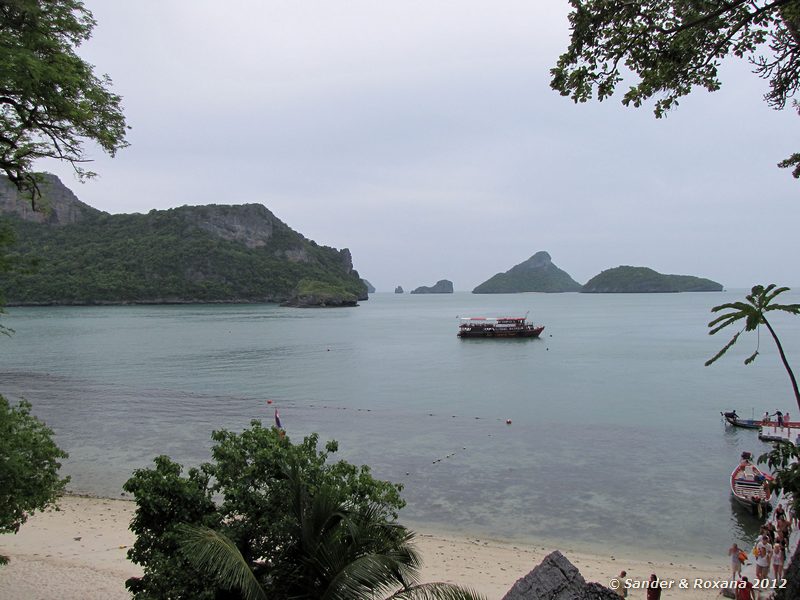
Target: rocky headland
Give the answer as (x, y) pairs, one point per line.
(190, 254)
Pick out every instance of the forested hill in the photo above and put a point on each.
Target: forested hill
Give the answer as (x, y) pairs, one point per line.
(625, 279)
(214, 253)
(537, 274)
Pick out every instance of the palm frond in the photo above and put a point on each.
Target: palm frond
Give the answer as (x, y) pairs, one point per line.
(724, 349)
(751, 358)
(790, 308)
(737, 306)
(769, 294)
(753, 320)
(365, 577)
(216, 554)
(437, 591)
(728, 319)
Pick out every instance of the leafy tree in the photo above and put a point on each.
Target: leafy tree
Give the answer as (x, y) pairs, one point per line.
(784, 460)
(343, 553)
(51, 101)
(29, 463)
(674, 45)
(753, 312)
(254, 508)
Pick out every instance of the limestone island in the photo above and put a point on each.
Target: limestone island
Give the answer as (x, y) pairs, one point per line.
(190, 254)
(398, 289)
(443, 286)
(642, 280)
(370, 287)
(537, 274)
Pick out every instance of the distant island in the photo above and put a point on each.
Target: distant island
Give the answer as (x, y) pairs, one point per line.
(443, 286)
(191, 254)
(398, 289)
(370, 287)
(537, 274)
(625, 279)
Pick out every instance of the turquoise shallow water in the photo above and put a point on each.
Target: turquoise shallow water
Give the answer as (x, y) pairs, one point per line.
(616, 438)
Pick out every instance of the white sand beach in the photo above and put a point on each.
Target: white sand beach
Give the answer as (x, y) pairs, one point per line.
(79, 553)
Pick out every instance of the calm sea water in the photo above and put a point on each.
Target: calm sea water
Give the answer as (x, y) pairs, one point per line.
(616, 439)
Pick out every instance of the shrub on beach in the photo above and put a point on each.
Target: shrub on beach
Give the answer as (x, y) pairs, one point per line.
(296, 520)
(29, 464)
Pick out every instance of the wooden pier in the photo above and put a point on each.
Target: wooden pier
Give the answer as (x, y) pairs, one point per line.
(772, 432)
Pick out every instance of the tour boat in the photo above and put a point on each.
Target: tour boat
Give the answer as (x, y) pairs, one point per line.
(750, 486)
(502, 327)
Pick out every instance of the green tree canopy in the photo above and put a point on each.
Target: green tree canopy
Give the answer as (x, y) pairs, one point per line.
(343, 552)
(245, 493)
(29, 464)
(51, 101)
(672, 46)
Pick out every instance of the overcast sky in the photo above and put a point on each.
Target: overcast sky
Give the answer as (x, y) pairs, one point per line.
(424, 137)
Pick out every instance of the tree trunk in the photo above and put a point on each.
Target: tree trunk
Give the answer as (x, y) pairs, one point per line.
(785, 362)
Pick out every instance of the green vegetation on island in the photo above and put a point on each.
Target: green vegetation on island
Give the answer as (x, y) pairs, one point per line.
(443, 286)
(209, 253)
(625, 279)
(537, 274)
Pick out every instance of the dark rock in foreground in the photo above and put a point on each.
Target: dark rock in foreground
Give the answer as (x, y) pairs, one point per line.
(557, 579)
(537, 274)
(443, 286)
(639, 280)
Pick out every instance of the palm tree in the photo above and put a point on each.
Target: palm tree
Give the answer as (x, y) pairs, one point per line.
(342, 553)
(759, 302)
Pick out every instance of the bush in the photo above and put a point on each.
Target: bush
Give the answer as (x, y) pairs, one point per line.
(246, 492)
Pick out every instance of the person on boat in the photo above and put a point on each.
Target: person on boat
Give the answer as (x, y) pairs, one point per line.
(736, 562)
(779, 416)
(745, 592)
(766, 417)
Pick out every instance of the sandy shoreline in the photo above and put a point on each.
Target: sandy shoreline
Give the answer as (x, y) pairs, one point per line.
(79, 553)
